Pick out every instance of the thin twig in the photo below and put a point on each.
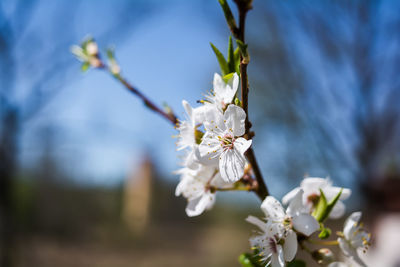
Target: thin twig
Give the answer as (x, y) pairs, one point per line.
(169, 116)
(262, 190)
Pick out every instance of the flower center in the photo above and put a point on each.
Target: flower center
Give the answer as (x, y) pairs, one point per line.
(313, 199)
(227, 141)
(272, 245)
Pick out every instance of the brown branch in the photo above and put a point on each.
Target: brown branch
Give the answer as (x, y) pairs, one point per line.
(148, 103)
(262, 191)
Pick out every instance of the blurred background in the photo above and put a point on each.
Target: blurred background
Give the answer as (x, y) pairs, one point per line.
(86, 170)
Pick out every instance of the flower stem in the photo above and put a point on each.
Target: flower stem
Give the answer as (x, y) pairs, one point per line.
(325, 243)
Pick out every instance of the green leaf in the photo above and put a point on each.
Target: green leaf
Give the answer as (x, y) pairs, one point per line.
(229, 17)
(231, 56)
(236, 56)
(221, 60)
(296, 263)
(248, 260)
(85, 66)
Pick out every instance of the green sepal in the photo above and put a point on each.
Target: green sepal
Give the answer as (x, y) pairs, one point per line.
(231, 56)
(324, 208)
(325, 232)
(85, 66)
(228, 77)
(296, 263)
(221, 60)
(248, 260)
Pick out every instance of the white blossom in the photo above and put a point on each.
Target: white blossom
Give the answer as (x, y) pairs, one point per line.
(222, 143)
(280, 229)
(274, 247)
(354, 237)
(296, 215)
(187, 132)
(311, 187)
(195, 187)
(223, 93)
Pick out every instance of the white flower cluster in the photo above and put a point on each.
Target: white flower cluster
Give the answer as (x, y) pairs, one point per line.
(212, 136)
(282, 231)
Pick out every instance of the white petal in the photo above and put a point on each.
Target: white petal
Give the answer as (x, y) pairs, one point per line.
(235, 118)
(331, 192)
(289, 196)
(242, 145)
(350, 252)
(273, 209)
(296, 206)
(338, 264)
(214, 121)
(225, 91)
(210, 147)
(313, 183)
(231, 165)
(338, 210)
(257, 222)
(188, 108)
(199, 114)
(305, 223)
(350, 225)
(197, 206)
(290, 246)
(277, 259)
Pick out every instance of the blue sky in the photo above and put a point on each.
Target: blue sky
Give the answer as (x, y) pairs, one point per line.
(105, 129)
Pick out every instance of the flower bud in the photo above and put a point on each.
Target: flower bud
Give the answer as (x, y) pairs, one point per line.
(92, 49)
(323, 256)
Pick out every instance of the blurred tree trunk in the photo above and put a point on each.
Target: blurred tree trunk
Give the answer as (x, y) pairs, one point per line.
(8, 163)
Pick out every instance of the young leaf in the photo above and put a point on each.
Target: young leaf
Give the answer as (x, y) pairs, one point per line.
(236, 56)
(221, 60)
(231, 56)
(229, 17)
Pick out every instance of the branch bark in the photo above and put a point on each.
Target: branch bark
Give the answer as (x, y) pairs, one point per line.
(171, 117)
(262, 191)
